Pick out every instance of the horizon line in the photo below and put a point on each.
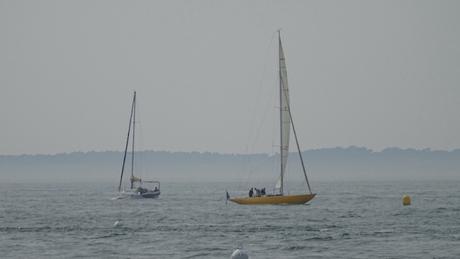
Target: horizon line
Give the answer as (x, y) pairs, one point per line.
(235, 153)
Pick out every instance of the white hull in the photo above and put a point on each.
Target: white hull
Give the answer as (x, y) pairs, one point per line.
(133, 194)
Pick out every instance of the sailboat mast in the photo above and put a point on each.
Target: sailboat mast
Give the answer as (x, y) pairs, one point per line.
(281, 113)
(127, 142)
(132, 149)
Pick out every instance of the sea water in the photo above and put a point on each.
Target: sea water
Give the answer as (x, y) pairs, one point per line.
(192, 220)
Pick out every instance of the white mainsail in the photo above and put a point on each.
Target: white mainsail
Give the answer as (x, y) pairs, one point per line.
(285, 120)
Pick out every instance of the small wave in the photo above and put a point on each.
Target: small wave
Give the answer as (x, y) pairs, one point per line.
(45, 229)
(382, 232)
(29, 229)
(199, 255)
(321, 238)
(345, 235)
(112, 234)
(294, 248)
(349, 215)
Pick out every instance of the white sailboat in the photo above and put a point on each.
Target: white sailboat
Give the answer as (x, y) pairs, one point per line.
(139, 188)
(285, 130)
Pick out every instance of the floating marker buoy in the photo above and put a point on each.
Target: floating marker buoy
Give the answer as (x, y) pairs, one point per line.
(116, 224)
(406, 200)
(239, 254)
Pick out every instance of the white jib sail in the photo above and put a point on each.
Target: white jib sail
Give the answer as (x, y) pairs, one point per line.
(285, 119)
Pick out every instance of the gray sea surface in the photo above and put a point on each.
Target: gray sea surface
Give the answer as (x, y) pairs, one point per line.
(192, 220)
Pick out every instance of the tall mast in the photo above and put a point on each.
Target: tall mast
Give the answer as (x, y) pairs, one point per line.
(127, 141)
(132, 149)
(281, 112)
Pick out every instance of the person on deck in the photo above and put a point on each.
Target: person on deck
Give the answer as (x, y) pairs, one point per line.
(262, 192)
(251, 192)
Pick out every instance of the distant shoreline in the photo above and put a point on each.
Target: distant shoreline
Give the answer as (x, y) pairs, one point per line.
(346, 164)
(255, 153)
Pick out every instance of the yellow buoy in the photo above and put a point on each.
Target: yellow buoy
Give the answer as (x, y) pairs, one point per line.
(406, 200)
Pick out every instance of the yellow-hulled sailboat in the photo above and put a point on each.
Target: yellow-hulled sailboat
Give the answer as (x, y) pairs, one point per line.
(285, 129)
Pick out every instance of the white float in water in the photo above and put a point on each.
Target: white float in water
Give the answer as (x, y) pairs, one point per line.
(117, 223)
(239, 254)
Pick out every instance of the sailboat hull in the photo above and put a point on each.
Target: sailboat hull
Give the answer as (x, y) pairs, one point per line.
(275, 199)
(135, 194)
(151, 194)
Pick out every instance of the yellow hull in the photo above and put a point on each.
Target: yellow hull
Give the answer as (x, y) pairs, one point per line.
(275, 199)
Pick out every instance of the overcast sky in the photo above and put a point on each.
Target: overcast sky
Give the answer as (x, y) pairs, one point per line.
(365, 73)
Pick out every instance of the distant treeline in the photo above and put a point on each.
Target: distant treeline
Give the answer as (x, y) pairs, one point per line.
(352, 163)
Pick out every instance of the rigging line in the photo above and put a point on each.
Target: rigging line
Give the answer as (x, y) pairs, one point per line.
(254, 135)
(274, 126)
(140, 155)
(298, 148)
(132, 152)
(126, 146)
(259, 96)
(268, 156)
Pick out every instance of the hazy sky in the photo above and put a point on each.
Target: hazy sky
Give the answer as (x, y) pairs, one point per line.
(365, 73)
